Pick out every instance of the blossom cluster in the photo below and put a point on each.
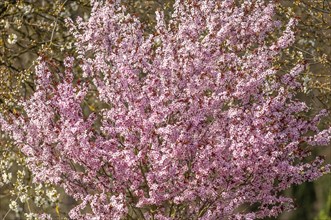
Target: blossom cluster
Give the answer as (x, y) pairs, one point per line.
(195, 121)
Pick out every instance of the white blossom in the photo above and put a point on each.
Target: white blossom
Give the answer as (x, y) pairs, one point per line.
(12, 39)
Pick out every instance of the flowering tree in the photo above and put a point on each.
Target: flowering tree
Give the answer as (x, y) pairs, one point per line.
(195, 121)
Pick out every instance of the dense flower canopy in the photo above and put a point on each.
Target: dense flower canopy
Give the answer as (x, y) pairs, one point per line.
(196, 122)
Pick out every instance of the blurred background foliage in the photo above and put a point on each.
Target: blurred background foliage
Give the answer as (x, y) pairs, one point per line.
(32, 28)
(313, 46)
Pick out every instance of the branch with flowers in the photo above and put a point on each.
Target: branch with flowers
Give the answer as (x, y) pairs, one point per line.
(196, 119)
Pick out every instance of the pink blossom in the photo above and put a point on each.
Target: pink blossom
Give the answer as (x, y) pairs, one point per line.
(194, 126)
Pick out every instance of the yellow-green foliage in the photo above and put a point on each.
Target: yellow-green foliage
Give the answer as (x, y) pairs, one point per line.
(325, 213)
